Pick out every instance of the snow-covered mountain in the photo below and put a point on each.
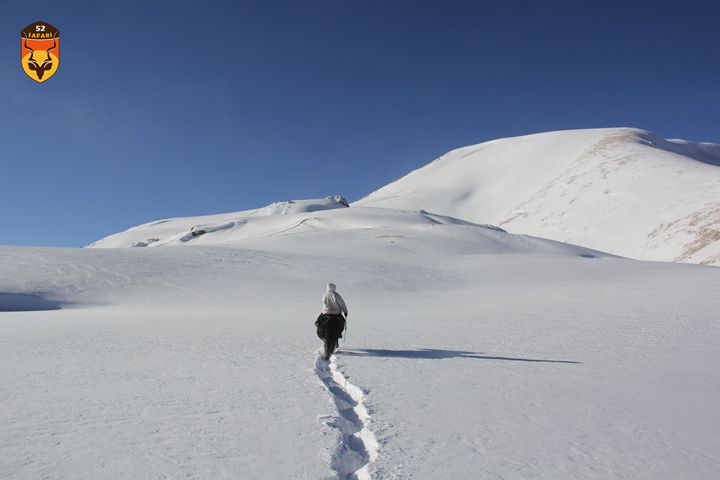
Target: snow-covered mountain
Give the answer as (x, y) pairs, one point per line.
(620, 190)
(328, 226)
(271, 220)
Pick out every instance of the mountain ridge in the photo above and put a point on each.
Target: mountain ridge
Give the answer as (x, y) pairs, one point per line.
(624, 191)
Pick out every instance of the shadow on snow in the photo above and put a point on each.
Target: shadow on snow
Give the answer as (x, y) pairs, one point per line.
(19, 302)
(435, 354)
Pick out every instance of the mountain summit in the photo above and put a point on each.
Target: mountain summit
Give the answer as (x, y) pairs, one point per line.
(621, 190)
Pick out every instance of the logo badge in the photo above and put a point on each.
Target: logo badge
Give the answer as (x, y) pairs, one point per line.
(40, 50)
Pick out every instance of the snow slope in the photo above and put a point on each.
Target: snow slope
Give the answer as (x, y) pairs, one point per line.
(224, 227)
(620, 190)
(324, 226)
(471, 353)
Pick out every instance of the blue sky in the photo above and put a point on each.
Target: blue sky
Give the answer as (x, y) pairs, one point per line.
(163, 109)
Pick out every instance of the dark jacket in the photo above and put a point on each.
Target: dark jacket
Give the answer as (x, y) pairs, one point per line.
(330, 326)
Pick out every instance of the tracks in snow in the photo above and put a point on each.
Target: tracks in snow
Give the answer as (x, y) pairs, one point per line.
(358, 446)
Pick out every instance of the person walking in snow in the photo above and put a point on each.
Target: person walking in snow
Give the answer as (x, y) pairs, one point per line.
(331, 322)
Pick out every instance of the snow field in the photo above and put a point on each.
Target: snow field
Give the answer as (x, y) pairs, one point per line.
(471, 353)
(474, 352)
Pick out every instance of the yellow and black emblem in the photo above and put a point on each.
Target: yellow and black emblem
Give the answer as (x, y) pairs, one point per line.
(40, 50)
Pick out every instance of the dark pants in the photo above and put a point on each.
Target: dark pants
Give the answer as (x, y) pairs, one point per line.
(330, 328)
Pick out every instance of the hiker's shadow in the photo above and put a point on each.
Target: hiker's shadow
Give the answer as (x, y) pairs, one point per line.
(435, 354)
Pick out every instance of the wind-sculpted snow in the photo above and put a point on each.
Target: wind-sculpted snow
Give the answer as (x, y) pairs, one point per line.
(621, 190)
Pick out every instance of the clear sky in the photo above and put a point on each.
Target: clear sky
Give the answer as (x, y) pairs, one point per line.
(163, 109)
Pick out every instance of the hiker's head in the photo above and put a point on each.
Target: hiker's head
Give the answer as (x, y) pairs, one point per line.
(331, 287)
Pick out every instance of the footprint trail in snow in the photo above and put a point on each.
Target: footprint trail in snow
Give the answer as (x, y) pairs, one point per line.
(358, 447)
